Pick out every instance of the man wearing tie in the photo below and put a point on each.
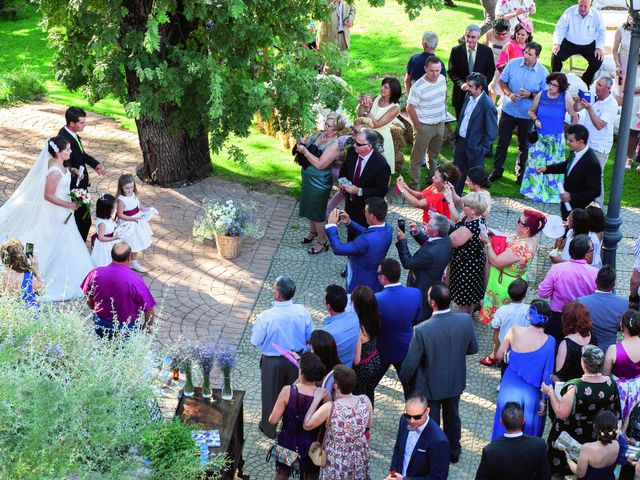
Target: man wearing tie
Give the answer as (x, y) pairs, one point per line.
(76, 119)
(581, 172)
(369, 174)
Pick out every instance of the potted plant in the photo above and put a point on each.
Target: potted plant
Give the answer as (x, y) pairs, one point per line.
(229, 224)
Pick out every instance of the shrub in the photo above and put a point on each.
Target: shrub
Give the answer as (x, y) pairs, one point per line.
(20, 86)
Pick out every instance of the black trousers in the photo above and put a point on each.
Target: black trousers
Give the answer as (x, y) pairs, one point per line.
(275, 373)
(451, 420)
(84, 224)
(568, 49)
(463, 162)
(506, 126)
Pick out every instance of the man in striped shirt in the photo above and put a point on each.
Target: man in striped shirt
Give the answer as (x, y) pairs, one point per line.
(427, 108)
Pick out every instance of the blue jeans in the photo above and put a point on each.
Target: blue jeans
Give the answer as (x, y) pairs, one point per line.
(107, 328)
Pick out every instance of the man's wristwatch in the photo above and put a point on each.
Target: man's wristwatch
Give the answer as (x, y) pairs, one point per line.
(359, 192)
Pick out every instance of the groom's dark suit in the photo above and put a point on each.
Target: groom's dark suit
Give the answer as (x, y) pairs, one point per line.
(77, 159)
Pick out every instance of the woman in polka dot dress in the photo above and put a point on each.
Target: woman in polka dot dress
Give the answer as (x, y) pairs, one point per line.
(468, 258)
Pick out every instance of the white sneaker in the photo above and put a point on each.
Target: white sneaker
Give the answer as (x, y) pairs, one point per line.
(137, 267)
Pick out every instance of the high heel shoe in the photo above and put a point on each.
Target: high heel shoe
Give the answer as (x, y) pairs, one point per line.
(309, 238)
(313, 251)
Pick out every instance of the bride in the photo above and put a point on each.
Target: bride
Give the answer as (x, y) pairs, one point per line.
(36, 214)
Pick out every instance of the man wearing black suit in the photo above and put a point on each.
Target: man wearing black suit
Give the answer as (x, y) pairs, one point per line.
(76, 119)
(369, 174)
(428, 264)
(422, 449)
(477, 128)
(465, 59)
(514, 455)
(436, 366)
(581, 171)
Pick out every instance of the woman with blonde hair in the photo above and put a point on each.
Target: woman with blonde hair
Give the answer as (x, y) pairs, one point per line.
(20, 275)
(466, 279)
(320, 150)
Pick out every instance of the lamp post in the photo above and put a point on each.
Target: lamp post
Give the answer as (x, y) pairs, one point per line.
(612, 234)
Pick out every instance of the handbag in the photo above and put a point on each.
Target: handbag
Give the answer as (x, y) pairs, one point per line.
(317, 454)
(284, 456)
(303, 161)
(533, 135)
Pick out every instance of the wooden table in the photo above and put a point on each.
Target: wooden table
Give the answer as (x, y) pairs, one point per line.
(227, 416)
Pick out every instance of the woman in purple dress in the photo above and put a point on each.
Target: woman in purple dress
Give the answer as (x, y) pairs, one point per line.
(291, 406)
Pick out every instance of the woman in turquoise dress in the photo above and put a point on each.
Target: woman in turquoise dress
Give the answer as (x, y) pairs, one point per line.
(531, 359)
(548, 112)
(317, 180)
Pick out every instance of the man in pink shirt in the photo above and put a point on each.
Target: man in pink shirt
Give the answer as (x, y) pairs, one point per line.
(567, 281)
(117, 295)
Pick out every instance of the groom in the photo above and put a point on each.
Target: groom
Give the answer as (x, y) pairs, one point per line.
(76, 119)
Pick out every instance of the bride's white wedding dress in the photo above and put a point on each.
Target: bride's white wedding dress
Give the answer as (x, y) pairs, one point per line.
(63, 256)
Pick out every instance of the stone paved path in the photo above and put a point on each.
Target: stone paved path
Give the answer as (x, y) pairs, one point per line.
(206, 297)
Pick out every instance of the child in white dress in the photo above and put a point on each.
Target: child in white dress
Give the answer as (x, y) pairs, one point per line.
(105, 238)
(139, 238)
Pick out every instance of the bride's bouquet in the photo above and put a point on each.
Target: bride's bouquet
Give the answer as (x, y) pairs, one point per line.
(83, 199)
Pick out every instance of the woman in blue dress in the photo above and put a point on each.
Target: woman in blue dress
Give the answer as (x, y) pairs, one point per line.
(20, 274)
(548, 113)
(531, 361)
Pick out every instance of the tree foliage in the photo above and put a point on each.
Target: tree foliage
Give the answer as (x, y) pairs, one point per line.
(196, 65)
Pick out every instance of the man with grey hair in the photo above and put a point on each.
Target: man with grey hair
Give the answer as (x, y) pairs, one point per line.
(283, 326)
(601, 112)
(415, 67)
(428, 264)
(465, 59)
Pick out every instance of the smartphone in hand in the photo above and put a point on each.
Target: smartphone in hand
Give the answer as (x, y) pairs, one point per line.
(401, 225)
(28, 250)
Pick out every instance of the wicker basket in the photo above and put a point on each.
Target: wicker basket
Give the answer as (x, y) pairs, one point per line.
(228, 247)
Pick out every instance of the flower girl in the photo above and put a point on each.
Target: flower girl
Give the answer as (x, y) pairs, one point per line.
(105, 237)
(129, 211)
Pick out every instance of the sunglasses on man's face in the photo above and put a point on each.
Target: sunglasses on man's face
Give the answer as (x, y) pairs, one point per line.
(414, 417)
(358, 144)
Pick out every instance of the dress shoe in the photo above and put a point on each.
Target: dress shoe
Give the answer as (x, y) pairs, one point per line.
(454, 459)
(343, 273)
(494, 176)
(519, 179)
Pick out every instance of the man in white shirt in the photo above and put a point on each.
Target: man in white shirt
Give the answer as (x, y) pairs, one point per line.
(600, 115)
(421, 449)
(579, 31)
(427, 109)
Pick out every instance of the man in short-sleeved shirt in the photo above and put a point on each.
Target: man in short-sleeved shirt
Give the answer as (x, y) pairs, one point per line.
(601, 112)
(117, 295)
(415, 67)
(521, 80)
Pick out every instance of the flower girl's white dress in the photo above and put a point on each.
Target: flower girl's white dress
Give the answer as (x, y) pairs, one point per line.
(101, 251)
(139, 237)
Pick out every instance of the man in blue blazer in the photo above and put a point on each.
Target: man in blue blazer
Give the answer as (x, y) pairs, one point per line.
(400, 309)
(367, 250)
(606, 309)
(477, 128)
(422, 450)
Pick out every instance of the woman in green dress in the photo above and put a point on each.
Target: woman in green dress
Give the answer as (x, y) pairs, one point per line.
(510, 264)
(317, 180)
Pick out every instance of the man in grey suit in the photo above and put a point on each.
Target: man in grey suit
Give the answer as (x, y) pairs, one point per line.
(428, 264)
(605, 308)
(436, 366)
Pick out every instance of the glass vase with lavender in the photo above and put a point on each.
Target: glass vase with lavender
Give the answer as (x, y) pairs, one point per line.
(226, 359)
(205, 354)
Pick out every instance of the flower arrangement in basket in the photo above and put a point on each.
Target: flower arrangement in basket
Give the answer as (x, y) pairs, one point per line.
(228, 223)
(83, 199)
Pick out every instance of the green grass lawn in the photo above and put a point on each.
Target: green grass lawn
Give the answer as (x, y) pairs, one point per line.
(383, 39)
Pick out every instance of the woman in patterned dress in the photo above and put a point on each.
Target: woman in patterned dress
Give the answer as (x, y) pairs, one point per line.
(367, 359)
(468, 257)
(582, 398)
(510, 264)
(547, 112)
(349, 418)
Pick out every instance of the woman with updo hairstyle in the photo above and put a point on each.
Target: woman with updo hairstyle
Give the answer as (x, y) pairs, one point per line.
(511, 263)
(291, 406)
(576, 328)
(432, 198)
(597, 460)
(623, 361)
(20, 275)
(575, 410)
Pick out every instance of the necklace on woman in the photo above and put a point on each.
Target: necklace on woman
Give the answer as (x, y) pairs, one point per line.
(591, 374)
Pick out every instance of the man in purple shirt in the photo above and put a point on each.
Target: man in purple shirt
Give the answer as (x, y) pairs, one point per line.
(567, 281)
(117, 295)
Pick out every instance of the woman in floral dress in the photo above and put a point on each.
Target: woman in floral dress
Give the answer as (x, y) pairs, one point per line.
(576, 410)
(348, 418)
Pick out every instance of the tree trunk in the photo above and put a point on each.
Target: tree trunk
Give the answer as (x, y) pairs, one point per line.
(171, 160)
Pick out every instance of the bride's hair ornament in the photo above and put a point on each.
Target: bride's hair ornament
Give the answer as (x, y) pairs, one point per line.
(54, 147)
